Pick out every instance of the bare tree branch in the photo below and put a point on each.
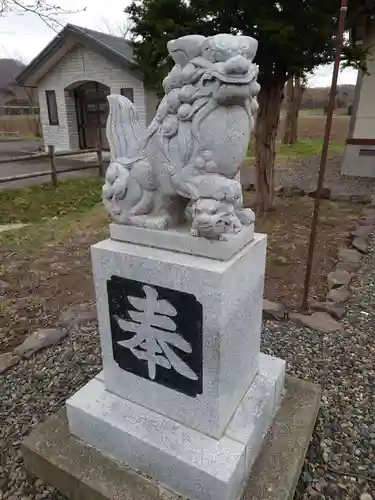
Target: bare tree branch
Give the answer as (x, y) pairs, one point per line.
(49, 13)
(116, 28)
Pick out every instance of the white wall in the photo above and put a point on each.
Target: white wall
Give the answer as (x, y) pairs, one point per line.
(359, 158)
(364, 127)
(82, 64)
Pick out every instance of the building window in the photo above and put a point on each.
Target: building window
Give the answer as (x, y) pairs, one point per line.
(52, 107)
(128, 93)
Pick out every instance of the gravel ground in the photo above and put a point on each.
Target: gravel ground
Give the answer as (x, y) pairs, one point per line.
(303, 173)
(343, 363)
(32, 391)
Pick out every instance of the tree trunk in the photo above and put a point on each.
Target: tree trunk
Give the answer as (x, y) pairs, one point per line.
(288, 116)
(269, 99)
(299, 89)
(295, 90)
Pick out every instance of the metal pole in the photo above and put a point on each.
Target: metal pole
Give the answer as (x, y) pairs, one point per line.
(323, 162)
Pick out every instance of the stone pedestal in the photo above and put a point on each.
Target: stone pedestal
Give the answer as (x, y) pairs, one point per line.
(185, 396)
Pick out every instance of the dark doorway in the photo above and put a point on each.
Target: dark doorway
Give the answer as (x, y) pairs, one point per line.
(92, 112)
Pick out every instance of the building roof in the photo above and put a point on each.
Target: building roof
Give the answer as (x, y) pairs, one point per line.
(118, 45)
(112, 47)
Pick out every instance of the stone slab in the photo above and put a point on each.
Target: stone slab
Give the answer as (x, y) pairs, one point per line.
(338, 277)
(82, 473)
(351, 267)
(183, 459)
(338, 295)
(273, 310)
(360, 244)
(230, 294)
(187, 460)
(363, 231)
(40, 339)
(257, 406)
(273, 369)
(366, 220)
(319, 321)
(179, 240)
(7, 360)
(276, 471)
(337, 311)
(349, 255)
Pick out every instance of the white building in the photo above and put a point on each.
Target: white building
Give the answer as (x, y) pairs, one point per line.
(359, 155)
(73, 75)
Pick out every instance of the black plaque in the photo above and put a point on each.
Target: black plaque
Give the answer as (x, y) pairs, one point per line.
(157, 333)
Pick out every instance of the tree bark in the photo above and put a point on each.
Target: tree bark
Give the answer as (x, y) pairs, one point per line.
(269, 99)
(299, 89)
(288, 116)
(295, 90)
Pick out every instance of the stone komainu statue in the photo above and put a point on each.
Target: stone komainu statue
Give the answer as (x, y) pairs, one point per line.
(184, 166)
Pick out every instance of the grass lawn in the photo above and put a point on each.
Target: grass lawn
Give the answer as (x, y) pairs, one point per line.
(303, 148)
(52, 215)
(36, 203)
(6, 137)
(307, 147)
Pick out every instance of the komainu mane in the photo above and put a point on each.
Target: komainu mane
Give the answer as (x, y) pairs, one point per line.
(184, 166)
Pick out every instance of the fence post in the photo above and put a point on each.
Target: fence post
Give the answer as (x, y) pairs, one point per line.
(100, 161)
(52, 159)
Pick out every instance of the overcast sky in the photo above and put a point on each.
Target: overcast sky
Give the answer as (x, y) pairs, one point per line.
(24, 36)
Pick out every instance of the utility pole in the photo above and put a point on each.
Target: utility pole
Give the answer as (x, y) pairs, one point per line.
(323, 162)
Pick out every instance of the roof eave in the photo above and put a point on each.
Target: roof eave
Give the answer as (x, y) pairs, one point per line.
(21, 79)
(81, 37)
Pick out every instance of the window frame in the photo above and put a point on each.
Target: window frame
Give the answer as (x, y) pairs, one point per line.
(53, 120)
(123, 91)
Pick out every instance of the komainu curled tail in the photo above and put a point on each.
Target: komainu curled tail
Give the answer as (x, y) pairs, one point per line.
(129, 186)
(124, 131)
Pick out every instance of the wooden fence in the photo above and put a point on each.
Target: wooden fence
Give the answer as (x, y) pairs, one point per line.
(18, 110)
(20, 124)
(53, 172)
